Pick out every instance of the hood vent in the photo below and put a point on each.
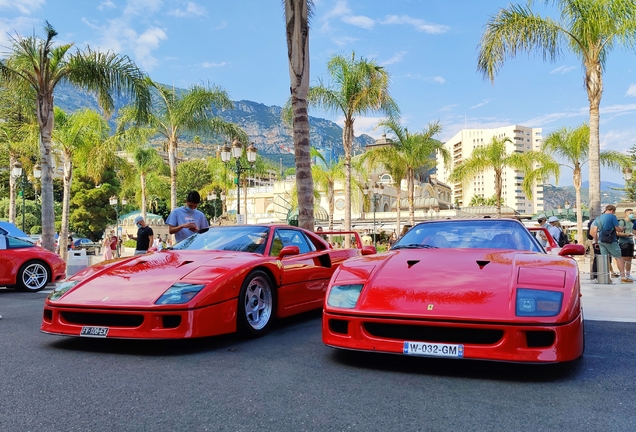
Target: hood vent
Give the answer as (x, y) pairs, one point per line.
(482, 264)
(411, 263)
(184, 263)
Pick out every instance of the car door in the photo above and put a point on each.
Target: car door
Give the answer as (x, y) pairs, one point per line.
(304, 276)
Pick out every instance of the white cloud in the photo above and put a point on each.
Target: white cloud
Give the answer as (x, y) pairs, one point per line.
(457, 123)
(552, 117)
(344, 40)
(365, 125)
(397, 57)
(9, 27)
(418, 24)
(562, 69)
(142, 7)
(145, 43)
(209, 64)
(23, 6)
(107, 4)
(359, 21)
(482, 103)
(619, 140)
(221, 25)
(437, 79)
(192, 10)
(631, 91)
(448, 107)
(338, 10)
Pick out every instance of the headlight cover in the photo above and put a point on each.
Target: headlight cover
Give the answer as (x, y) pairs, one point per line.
(344, 296)
(179, 293)
(538, 303)
(61, 289)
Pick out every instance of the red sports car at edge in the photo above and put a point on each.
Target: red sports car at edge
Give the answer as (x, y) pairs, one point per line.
(473, 289)
(28, 267)
(219, 280)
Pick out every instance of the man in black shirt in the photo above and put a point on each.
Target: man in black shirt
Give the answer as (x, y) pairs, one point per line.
(144, 236)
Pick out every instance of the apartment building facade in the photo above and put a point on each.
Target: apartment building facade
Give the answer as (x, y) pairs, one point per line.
(461, 146)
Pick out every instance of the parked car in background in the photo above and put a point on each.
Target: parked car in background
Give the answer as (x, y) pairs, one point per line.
(28, 267)
(7, 228)
(89, 245)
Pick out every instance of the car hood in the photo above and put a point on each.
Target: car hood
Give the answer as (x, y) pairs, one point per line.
(141, 280)
(463, 283)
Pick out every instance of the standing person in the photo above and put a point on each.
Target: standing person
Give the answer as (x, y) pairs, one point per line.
(186, 220)
(367, 240)
(626, 241)
(144, 236)
(607, 222)
(392, 239)
(107, 252)
(405, 229)
(113, 244)
(543, 241)
(554, 229)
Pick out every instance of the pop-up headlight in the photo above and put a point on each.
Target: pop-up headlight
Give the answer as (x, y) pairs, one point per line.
(344, 296)
(538, 303)
(179, 293)
(61, 289)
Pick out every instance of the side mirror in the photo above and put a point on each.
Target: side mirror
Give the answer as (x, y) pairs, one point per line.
(369, 250)
(572, 249)
(287, 251)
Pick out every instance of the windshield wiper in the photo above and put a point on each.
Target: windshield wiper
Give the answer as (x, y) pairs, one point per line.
(415, 246)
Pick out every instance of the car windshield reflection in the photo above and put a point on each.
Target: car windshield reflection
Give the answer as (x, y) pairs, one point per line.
(471, 234)
(233, 238)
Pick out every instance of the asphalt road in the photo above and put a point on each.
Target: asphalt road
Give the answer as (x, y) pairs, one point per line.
(289, 381)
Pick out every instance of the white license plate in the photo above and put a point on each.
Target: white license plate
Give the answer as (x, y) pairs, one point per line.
(98, 332)
(434, 349)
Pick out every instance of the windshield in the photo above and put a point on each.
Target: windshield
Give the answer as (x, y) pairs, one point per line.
(472, 234)
(232, 238)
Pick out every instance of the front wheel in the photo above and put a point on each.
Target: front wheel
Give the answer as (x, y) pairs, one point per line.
(255, 304)
(33, 276)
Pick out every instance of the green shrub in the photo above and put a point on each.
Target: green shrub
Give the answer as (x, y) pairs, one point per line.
(36, 229)
(130, 243)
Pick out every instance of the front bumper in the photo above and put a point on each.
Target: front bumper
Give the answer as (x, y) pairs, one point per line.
(531, 343)
(142, 323)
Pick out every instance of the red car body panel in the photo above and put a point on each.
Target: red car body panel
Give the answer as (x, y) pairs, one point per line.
(123, 292)
(11, 260)
(458, 292)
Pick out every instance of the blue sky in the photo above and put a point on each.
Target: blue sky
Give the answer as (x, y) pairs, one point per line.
(429, 47)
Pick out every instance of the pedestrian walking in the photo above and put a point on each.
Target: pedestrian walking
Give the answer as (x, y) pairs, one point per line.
(186, 220)
(144, 236)
(604, 230)
(626, 241)
(107, 252)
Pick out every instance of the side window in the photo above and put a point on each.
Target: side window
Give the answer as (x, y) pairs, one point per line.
(288, 237)
(13, 243)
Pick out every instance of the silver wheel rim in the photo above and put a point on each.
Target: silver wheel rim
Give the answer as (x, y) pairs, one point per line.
(34, 276)
(258, 303)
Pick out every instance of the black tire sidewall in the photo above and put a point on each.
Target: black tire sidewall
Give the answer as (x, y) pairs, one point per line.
(242, 325)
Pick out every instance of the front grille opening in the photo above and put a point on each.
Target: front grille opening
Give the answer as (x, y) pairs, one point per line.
(47, 315)
(103, 319)
(429, 333)
(339, 326)
(171, 321)
(540, 338)
(57, 278)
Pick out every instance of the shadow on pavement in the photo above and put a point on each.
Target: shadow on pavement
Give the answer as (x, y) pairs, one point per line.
(477, 369)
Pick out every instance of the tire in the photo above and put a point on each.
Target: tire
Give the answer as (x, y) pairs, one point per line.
(255, 305)
(33, 276)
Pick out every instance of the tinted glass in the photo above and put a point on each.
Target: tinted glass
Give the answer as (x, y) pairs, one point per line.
(236, 238)
(290, 237)
(14, 243)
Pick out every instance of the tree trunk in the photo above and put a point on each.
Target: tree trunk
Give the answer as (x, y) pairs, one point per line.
(44, 114)
(410, 175)
(172, 161)
(498, 192)
(142, 181)
(579, 210)
(68, 178)
(347, 141)
(594, 85)
(331, 200)
(398, 207)
(297, 33)
(12, 189)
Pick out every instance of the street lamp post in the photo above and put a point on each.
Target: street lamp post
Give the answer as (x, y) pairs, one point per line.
(374, 195)
(114, 201)
(212, 196)
(236, 152)
(18, 173)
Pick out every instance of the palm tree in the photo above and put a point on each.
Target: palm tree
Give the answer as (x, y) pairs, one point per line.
(494, 157)
(325, 175)
(360, 87)
(412, 152)
(572, 147)
(82, 132)
(177, 112)
(36, 64)
(589, 29)
(146, 160)
(297, 13)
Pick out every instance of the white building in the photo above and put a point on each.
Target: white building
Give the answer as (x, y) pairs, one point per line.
(461, 147)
